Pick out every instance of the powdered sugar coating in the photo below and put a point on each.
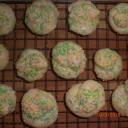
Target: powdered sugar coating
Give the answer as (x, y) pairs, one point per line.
(41, 17)
(85, 99)
(83, 17)
(39, 108)
(68, 59)
(31, 65)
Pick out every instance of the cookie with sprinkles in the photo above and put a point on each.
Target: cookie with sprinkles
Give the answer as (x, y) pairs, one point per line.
(7, 100)
(85, 99)
(39, 108)
(68, 59)
(83, 17)
(120, 99)
(4, 57)
(41, 17)
(31, 65)
(118, 18)
(108, 64)
(7, 19)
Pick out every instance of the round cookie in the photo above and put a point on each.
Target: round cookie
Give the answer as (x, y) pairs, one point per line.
(41, 17)
(108, 64)
(120, 99)
(31, 65)
(7, 100)
(83, 17)
(39, 108)
(7, 19)
(4, 57)
(68, 59)
(118, 18)
(85, 99)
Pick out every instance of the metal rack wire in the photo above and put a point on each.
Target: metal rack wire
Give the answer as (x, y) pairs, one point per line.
(21, 38)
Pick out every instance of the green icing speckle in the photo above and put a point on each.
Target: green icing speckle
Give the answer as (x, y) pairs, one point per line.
(2, 91)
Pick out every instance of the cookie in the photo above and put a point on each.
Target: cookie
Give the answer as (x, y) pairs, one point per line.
(31, 65)
(7, 19)
(39, 108)
(68, 59)
(7, 100)
(4, 57)
(120, 99)
(41, 17)
(83, 17)
(118, 18)
(85, 99)
(108, 64)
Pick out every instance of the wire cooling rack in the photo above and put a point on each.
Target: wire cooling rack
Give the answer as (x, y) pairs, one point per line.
(21, 38)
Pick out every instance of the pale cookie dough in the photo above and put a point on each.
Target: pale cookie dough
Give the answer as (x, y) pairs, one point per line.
(120, 99)
(108, 64)
(39, 108)
(68, 60)
(7, 19)
(118, 18)
(7, 100)
(85, 99)
(83, 17)
(41, 17)
(31, 65)
(4, 57)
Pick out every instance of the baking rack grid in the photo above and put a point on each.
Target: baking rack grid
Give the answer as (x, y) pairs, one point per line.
(21, 38)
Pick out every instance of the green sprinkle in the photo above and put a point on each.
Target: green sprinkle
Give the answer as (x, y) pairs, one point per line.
(2, 91)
